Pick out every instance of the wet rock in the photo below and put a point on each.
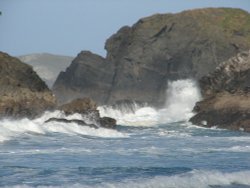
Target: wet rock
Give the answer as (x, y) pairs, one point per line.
(81, 106)
(88, 110)
(77, 121)
(107, 122)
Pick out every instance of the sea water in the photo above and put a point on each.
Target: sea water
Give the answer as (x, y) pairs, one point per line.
(150, 149)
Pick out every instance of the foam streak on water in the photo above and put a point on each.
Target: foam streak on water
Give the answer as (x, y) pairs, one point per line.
(193, 179)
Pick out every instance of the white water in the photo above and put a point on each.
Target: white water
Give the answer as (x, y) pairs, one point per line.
(10, 129)
(193, 179)
(170, 155)
(180, 100)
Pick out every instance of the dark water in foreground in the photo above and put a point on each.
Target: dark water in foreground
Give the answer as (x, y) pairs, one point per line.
(153, 152)
(170, 155)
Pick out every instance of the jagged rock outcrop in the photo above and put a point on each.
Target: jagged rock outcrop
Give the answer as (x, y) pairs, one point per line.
(226, 94)
(89, 75)
(142, 58)
(22, 92)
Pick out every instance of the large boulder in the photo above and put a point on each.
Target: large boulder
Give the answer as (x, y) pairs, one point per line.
(88, 109)
(22, 92)
(81, 106)
(142, 58)
(226, 93)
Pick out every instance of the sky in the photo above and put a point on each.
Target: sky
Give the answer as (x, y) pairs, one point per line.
(67, 27)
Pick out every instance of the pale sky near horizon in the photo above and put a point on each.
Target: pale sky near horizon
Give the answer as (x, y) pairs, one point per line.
(67, 27)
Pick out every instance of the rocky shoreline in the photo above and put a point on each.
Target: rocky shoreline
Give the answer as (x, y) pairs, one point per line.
(140, 61)
(24, 95)
(226, 93)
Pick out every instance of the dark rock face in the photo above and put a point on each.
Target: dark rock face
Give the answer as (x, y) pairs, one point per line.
(22, 92)
(226, 94)
(108, 122)
(89, 75)
(142, 58)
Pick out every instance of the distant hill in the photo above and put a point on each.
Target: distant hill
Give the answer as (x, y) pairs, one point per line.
(47, 65)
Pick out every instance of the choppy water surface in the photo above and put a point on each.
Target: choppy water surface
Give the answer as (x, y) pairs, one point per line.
(150, 148)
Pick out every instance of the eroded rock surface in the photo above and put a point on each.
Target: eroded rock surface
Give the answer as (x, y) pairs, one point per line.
(226, 94)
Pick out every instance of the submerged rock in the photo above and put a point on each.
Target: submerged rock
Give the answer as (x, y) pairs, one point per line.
(141, 59)
(107, 122)
(88, 109)
(22, 92)
(77, 121)
(226, 94)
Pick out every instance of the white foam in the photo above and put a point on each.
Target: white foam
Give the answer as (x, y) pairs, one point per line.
(196, 178)
(14, 128)
(180, 100)
(234, 149)
(144, 116)
(193, 179)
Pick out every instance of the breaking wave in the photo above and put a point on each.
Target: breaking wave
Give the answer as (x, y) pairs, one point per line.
(181, 96)
(13, 128)
(180, 99)
(193, 179)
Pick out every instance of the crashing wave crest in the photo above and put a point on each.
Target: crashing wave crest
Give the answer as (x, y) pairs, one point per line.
(180, 100)
(14, 128)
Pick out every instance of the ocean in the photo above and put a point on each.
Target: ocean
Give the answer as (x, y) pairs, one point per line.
(151, 148)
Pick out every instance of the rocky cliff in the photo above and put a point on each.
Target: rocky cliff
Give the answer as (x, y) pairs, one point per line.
(22, 92)
(89, 75)
(226, 94)
(142, 58)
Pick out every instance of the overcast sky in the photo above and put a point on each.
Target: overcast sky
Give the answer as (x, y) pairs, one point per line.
(68, 26)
